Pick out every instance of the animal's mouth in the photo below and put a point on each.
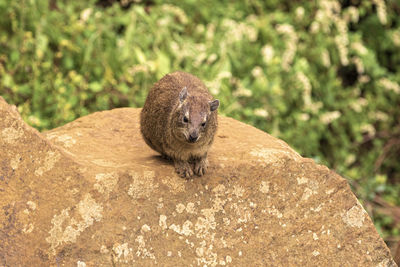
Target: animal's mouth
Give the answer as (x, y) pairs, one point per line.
(192, 140)
(193, 137)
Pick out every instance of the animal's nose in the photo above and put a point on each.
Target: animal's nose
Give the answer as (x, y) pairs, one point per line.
(193, 137)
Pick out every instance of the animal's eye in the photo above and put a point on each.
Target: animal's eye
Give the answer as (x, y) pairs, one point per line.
(185, 119)
(203, 124)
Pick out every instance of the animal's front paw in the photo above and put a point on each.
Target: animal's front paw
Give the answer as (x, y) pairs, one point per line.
(200, 166)
(183, 169)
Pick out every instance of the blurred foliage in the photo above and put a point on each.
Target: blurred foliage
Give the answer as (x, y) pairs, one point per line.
(322, 75)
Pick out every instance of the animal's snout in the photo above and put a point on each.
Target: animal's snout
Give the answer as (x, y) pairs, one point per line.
(193, 137)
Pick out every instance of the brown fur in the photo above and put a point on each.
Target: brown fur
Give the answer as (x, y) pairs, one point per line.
(163, 126)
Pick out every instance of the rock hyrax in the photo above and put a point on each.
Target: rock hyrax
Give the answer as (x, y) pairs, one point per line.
(179, 120)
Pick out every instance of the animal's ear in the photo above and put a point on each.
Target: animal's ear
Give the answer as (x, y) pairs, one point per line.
(214, 104)
(183, 94)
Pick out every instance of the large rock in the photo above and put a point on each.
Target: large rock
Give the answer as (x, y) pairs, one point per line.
(91, 193)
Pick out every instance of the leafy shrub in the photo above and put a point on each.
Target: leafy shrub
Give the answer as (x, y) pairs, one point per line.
(322, 75)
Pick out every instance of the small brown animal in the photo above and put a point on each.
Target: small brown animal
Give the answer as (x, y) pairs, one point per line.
(179, 120)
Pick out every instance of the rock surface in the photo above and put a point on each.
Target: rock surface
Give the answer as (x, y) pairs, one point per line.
(91, 193)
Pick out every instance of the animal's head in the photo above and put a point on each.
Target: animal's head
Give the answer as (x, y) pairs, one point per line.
(194, 117)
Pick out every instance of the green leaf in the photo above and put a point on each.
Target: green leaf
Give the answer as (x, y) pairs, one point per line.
(95, 87)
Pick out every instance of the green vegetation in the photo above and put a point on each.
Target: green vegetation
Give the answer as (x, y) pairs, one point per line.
(322, 75)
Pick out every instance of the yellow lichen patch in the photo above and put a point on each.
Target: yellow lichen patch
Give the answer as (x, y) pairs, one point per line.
(190, 208)
(122, 253)
(163, 222)
(205, 254)
(28, 228)
(175, 184)
(65, 139)
(218, 204)
(142, 185)
(302, 180)
(180, 208)
(205, 224)
(31, 204)
(308, 192)
(315, 253)
(57, 235)
(219, 190)
(10, 134)
(272, 210)
(238, 191)
(355, 216)
(330, 191)
(51, 158)
(145, 228)
(311, 189)
(15, 162)
(105, 182)
(271, 155)
(104, 249)
(264, 187)
(315, 236)
(243, 214)
(142, 251)
(186, 228)
(88, 212)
